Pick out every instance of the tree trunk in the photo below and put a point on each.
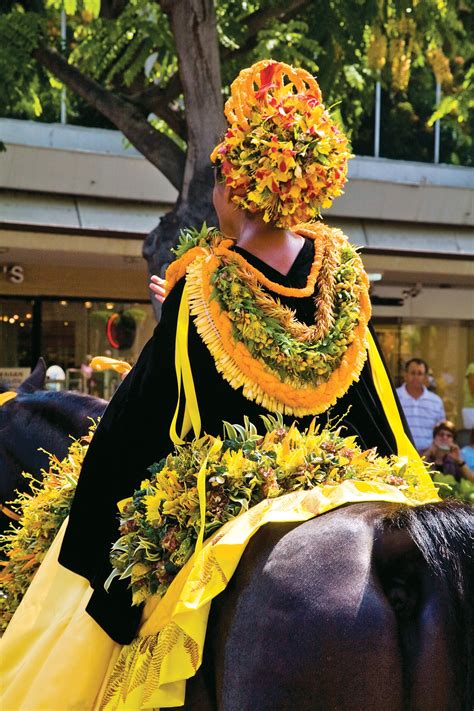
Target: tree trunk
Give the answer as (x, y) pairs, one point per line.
(193, 23)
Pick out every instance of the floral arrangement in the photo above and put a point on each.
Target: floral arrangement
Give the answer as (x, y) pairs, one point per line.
(282, 154)
(161, 523)
(41, 514)
(257, 343)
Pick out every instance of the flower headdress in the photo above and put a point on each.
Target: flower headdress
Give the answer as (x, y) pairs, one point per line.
(282, 154)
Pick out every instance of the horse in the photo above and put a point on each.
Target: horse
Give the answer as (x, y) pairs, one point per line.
(367, 607)
(36, 419)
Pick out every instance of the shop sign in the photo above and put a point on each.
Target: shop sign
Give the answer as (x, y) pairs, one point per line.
(14, 273)
(13, 377)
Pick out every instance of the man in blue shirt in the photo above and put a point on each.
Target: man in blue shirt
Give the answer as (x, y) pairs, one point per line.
(423, 409)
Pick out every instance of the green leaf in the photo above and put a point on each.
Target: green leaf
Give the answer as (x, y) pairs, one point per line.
(70, 6)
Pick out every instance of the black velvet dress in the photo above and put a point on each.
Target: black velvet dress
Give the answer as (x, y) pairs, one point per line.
(134, 433)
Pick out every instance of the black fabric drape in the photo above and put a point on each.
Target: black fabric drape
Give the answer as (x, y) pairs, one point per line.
(134, 433)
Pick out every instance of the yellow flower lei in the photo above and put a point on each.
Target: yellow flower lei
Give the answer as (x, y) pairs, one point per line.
(282, 155)
(234, 360)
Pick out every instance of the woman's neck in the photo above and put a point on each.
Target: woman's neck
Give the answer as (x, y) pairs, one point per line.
(275, 246)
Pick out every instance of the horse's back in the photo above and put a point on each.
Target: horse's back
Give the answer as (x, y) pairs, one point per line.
(336, 613)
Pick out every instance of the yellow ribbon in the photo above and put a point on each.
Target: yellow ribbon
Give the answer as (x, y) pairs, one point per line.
(184, 377)
(387, 398)
(5, 397)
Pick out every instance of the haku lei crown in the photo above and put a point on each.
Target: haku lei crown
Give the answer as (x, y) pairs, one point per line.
(282, 155)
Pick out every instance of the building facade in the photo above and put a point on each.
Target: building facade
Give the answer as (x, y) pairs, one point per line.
(76, 204)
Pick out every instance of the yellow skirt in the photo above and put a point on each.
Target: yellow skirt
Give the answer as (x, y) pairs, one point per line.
(54, 657)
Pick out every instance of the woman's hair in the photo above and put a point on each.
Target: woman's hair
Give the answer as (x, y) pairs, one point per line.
(282, 154)
(445, 425)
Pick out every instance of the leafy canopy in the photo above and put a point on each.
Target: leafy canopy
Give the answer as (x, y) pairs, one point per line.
(127, 46)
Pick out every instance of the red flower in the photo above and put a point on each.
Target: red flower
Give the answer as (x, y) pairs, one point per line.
(266, 81)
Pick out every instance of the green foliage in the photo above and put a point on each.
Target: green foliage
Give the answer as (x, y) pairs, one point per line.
(115, 52)
(346, 43)
(20, 84)
(450, 488)
(192, 237)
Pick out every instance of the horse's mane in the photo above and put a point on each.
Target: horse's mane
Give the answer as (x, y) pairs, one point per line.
(444, 534)
(64, 408)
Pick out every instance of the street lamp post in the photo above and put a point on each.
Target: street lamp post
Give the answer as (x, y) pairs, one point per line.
(378, 102)
(63, 115)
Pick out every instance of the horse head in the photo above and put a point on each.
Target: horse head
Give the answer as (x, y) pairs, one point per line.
(34, 419)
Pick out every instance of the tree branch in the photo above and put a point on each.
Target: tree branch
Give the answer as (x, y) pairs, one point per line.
(153, 100)
(111, 9)
(160, 150)
(257, 21)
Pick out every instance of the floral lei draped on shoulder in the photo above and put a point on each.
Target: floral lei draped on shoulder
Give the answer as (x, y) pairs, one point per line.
(257, 342)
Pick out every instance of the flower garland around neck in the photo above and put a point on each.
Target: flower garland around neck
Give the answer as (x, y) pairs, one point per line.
(257, 342)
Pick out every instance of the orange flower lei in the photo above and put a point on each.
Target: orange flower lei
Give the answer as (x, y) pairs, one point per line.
(260, 382)
(282, 154)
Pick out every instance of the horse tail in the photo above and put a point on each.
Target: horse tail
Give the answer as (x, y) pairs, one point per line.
(444, 534)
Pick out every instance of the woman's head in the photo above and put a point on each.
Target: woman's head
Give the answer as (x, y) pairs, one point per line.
(444, 435)
(282, 155)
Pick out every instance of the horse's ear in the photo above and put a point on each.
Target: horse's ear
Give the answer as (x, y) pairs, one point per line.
(36, 380)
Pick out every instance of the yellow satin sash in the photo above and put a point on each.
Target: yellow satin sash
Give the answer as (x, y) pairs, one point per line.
(184, 376)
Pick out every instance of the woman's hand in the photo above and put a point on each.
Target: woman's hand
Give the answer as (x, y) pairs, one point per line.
(158, 287)
(455, 453)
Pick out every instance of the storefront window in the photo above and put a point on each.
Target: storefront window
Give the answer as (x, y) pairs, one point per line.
(16, 329)
(68, 333)
(447, 347)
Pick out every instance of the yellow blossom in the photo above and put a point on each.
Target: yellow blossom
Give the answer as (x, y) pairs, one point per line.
(153, 504)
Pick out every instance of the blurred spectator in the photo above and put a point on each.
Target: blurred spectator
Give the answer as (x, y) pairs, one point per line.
(423, 409)
(445, 454)
(468, 397)
(467, 452)
(430, 381)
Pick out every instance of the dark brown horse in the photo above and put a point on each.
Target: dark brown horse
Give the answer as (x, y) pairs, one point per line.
(37, 419)
(366, 608)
